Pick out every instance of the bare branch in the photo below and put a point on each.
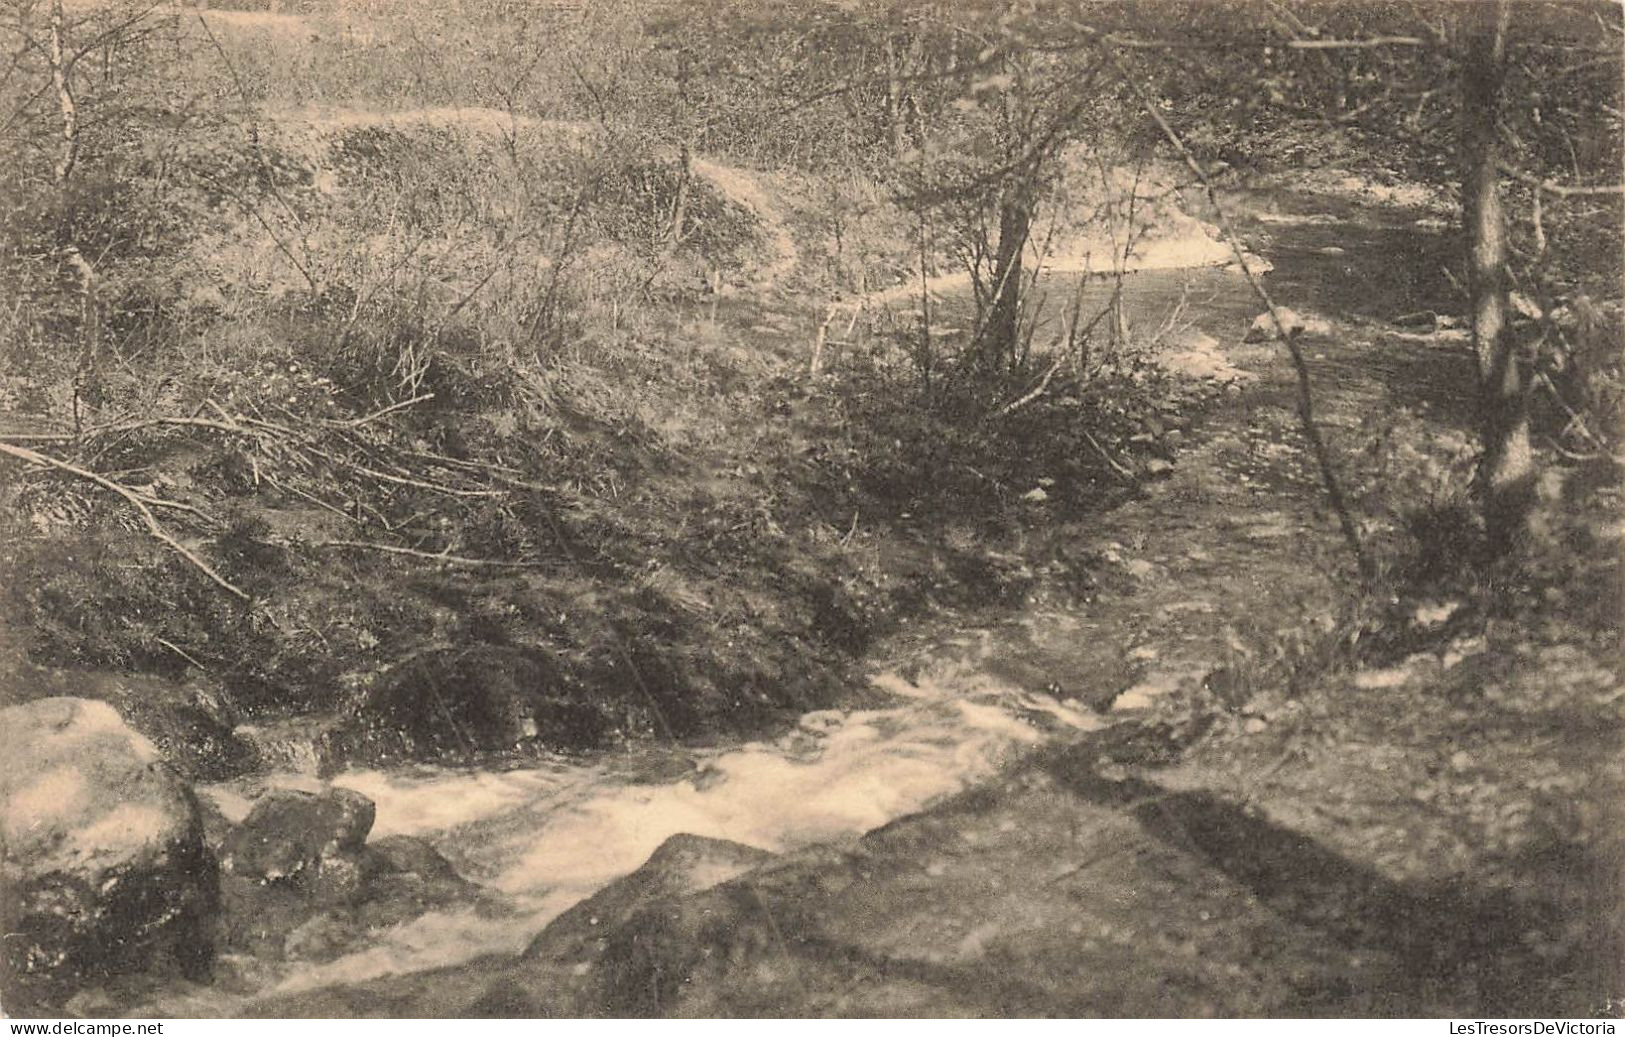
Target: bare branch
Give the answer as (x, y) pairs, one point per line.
(1560, 190)
(1306, 413)
(1037, 391)
(433, 556)
(375, 415)
(137, 501)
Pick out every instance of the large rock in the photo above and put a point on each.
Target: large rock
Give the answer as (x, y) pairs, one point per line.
(189, 723)
(1264, 328)
(289, 835)
(103, 871)
(299, 880)
(294, 855)
(680, 865)
(571, 969)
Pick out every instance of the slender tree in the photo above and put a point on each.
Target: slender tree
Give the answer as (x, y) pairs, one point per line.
(1506, 469)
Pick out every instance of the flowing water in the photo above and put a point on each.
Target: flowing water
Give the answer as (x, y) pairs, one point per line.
(548, 835)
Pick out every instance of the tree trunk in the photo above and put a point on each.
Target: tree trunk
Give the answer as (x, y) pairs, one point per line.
(60, 73)
(679, 205)
(894, 97)
(1505, 472)
(1003, 331)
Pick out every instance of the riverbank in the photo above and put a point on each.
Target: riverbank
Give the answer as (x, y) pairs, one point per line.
(1288, 809)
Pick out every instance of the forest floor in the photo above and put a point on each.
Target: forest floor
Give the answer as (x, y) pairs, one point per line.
(1412, 810)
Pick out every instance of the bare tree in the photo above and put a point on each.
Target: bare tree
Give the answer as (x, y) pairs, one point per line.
(1506, 471)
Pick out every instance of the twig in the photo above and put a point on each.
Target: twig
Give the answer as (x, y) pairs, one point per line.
(375, 415)
(180, 652)
(136, 501)
(818, 343)
(1116, 467)
(1560, 190)
(402, 480)
(287, 488)
(852, 531)
(435, 556)
(1038, 390)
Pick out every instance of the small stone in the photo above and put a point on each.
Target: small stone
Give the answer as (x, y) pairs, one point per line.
(1131, 699)
(1370, 680)
(1435, 615)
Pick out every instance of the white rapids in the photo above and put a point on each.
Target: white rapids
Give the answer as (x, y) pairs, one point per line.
(550, 835)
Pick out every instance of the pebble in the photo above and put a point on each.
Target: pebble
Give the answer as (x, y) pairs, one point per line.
(1374, 679)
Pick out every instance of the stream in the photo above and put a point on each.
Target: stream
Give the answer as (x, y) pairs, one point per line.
(548, 836)
(551, 833)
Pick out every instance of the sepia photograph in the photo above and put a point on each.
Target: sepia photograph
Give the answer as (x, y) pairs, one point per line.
(797, 509)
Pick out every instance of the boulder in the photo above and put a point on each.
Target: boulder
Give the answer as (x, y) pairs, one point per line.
(295, 854)
(1424, 319)
(299, 880)
(298, 745)
(680, 865)
(102, 862)
(189, 723)
(307, 840)
(1263, 327)
(406, 877)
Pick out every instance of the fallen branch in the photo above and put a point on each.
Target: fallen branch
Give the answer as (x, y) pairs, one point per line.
(180, 652)
(1038, 390)
(433, 556)
(1306, 405)
(1116, 467)
(38, 437)
(818, 343)
(450, 491)
(1560, 190)
(384, 412)
(136, 501)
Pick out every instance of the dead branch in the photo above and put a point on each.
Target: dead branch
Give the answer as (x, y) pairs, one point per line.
(1115, 466)
(137, 501)
(1552, 187)
(180, 652)
(1037, 391)
(433, 556)
(383, 412)
(1306, 411)
(818, 343)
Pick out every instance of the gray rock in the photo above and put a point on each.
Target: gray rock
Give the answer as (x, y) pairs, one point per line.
(487, 697)
(303, 745)
(1263, 328)
(680, 865)
(296, 836)
(299, 881)
(190, 724)
(101, 855)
